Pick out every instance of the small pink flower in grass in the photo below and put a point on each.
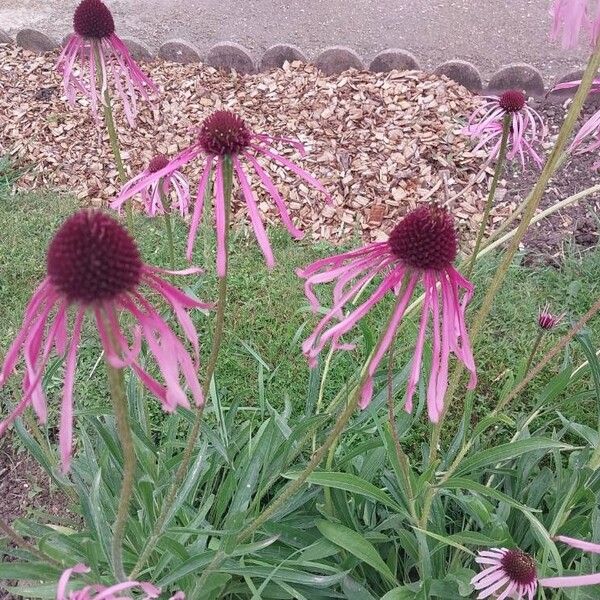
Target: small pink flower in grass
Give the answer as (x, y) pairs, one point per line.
(547, 320)
(224, 134)
(421, 248)
(95, 57)
(94, 266)
(572, 17)
(527, 129)
(513, 574)
(151, 197)
(101, 592)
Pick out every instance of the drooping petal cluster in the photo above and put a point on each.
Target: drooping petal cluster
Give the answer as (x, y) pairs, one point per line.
(94, 267)
(175, 190)
(572, 18)
(102, 592)
(223, 137)
(512, 573)
(95, 61)
(420, 249)
(527, 128)
(587, 138)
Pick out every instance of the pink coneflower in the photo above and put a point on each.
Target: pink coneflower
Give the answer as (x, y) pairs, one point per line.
(95, 56)
(101, 592)
(571, 17)
(151, 196)
(511, 573)
(527, 128)
(93, 265)
(225, 135)
(421, 248)
(547, 320)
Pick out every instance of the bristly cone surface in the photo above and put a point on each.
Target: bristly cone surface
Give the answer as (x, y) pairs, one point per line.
(93, 19)
(224, 133)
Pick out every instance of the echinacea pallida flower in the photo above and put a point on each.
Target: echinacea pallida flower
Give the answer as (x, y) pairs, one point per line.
(224, 134)
(512, 573)
(95, 57)
(527, 129)
(548, 320)
(420, 249)
(102, 592)
(98, 591)
(572, 17)
(94, 267)
(151, 195)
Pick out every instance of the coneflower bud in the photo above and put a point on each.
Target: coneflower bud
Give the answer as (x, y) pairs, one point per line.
(425, 238)
(547, 320)
(160, 161)
(224, 133)
(93, 19)
(92, 258)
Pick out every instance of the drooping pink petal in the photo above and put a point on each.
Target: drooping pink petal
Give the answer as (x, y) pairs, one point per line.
(572, 581)
(579, 544)
(220, 220)
(199, 206)
(255, 219)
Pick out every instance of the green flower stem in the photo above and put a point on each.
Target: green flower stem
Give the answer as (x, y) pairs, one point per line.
(534, 349)
(119, 402)
(210, 370)
(506, 124)
(109, 121)
(326, 368)
(168, 225)
(293, 487)
(529, 212)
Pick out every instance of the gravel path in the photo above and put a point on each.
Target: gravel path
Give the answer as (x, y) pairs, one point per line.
(489, 33)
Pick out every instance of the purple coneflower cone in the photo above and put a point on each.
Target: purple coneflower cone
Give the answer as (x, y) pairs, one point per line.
(90, 592)
(506, 574)
(527, 128)
(94, 266)
(420, 249)
(174, 185)
(572, 18)
(548, 321)
(224, 135)
(95, 53)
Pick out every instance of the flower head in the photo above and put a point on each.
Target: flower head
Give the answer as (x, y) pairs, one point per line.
(173, 183)
(94, 266)
(100, 592)
(527, 129)
(421, 248)
(94, 53)
(225, 139)
(547, 320)
(513, 573)
(572, 17)
(507, 574)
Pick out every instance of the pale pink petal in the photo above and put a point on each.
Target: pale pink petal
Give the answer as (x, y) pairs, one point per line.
(579, 544)
(569, 582)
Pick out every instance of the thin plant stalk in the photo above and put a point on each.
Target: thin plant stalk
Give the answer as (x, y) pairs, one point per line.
(217, 340)
(506, 124)
(534, 349)
(113, 137)
(326, 367)
(293, 487)
(496, 282)
(119, 402)
(166, 205)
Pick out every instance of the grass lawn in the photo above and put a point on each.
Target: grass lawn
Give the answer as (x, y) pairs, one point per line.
(268, 316)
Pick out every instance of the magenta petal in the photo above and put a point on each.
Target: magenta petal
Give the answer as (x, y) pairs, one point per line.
(199, 206)
(257, 225)
(66, 413)
(569, 582)
(220, 220)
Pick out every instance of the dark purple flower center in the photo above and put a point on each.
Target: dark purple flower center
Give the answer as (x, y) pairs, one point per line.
(547, 320)
(160, 161)
(512, 101)
(520, 567)
(224, 133)
(425, 238)
(92, 19)
(92, 258)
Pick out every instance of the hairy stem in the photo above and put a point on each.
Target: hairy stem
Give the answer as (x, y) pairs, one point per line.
(192, 440)
(534, 349)
(490, 199)
(166, 205)
(119, 402)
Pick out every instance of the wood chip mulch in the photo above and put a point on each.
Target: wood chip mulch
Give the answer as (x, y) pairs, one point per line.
(380, 143)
